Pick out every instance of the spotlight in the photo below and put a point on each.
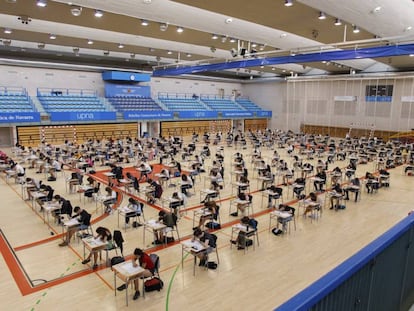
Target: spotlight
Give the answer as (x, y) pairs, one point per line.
(98, 13)
(41, 3)
(169, 52)
(288, 3)
(214, 37)
(52, 37)
(180, 29)
(8, 31)
(120, 46)
(144, 22)
(188, 55)
(322, 15)
(355, 29)
(338, 22)
(232, 40)
(151, 49)
(163, 26)
(24, 19)
(90, 42)
(262, 47)
(75, 10)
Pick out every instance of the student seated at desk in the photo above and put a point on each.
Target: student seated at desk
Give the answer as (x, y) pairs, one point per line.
(314, 202)
(75, 179)
(145, 170)
(208, 240)
(372, 182)
(168, 219)
(136, 208)
(186, 183)
(110, 198)
(178, 200)
(213, 209)
(242, 236)
(274, 194)
(353, 187)
(156, 192)
(84, 219)
(65, 208)
(144, 260)
(32, 185)
(336, 195)
(242, 206)
(216, 188)
(104, 235)
(318, 184)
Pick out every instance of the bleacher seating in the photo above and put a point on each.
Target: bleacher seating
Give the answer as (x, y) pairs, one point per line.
(183, 103)
(130, 103)
(221, 104)
(247, 104)
(15, 100)
(68, 100)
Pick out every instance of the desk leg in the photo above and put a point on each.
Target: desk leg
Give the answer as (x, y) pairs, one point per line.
(115, 282)
(126, 293)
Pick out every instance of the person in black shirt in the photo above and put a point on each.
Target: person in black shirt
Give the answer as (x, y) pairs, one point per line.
(84, 219)
(208, 240)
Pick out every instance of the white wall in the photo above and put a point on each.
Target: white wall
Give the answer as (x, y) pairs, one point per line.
(312, 102)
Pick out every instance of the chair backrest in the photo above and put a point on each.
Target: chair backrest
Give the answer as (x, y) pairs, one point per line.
(119, 240)
(156, 260)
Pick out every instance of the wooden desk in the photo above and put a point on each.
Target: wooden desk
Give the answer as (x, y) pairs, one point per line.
(127, 273)
(48, 208)
(193, 247)
(152, 226)
(282, 217)
(247, 231)
(94, 245)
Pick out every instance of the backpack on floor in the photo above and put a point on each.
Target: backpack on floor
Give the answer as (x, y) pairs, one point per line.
(153, 284)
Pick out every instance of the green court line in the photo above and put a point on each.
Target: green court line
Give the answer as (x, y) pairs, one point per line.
(167, 301)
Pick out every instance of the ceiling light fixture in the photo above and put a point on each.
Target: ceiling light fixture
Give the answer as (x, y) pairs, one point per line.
(151, 49)
(144, 22)
(262, 47)
(321, 15)
(338, 22)
(411, 55)
(214, 37)
(273, 68)
(90, 42)
(121, 46)
(408, 28)
(52, 37)
(147, 1)
(288, 3)
(355, 29)
(283, 35)
(163, 26)
(41, 3)
(169, 52)
(76, 10)
(180, 29)
(232, 40)
(223, 39)
(228, 20)
(188, 55)
(98, 13)
(8, 31)
(377, 9)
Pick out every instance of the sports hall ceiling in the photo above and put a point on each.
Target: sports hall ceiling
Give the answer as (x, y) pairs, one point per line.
(211, 29)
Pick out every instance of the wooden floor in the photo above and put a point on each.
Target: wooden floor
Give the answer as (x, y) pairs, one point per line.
(37, 274)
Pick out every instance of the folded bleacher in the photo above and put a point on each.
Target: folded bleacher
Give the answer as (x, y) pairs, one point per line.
(182, 103)
(70, 100)
(130, 103)
(247, 104)
(14, 99)
(220, 104)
